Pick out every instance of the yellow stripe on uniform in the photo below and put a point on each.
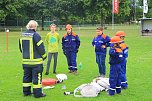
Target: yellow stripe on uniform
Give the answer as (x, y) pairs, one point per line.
(44, 55)
(39, 78)
(30, 39)
(21, 44)
(27, 84)
(32, 61)
(39, 85)
(38, 44)
(31, 49)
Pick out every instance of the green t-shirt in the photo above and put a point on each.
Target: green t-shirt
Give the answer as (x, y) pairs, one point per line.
(52, 40)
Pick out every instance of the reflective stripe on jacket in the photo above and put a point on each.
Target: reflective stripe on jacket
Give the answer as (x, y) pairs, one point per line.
(32, 48)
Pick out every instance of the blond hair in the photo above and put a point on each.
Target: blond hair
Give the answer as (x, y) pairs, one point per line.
(32, 24)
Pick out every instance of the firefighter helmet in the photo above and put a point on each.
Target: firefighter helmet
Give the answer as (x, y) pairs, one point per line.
(115, 39)
(120, 33)
(68, 26)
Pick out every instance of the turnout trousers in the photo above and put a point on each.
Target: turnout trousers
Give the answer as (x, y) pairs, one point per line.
(32, 77)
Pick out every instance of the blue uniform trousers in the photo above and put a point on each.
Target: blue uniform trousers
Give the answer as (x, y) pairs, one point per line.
(114, 79)
(71, 59)
(32, 76)
(124, 83)
(100, 59)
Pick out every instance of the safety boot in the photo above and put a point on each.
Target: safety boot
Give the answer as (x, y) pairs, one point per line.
(42, 95)
(28, 94)
(75, 73)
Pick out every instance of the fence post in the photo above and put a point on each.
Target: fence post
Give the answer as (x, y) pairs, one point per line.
(7, 31)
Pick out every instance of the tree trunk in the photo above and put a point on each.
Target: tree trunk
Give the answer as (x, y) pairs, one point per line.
(42, 22)
(101, 21)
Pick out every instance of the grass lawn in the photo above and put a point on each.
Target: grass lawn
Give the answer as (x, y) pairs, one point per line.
(139, 72)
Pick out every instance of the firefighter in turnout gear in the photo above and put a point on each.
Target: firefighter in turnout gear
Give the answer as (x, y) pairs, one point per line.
(116, 57)
(70, 46)
(33, 55)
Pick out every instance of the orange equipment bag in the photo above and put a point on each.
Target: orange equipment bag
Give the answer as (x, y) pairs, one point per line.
(49, 82)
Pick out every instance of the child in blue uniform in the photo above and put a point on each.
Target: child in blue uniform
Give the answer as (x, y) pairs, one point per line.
(100, 43)
(70, 46)
(116, 56)
(124, 47)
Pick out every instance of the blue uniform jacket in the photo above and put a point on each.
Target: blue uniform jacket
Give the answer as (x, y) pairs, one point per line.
(70, 42)
(100, 40)
(32, 48)
(116, 56)
(124, 48)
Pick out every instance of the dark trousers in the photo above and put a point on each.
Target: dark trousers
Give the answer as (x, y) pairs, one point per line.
(55, 56)
(115, 79)
(32, 76)
(71, 60)
(100, 59)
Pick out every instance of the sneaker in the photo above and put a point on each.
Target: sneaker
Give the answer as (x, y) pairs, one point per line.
(54, 72)
(103, 76)
(42, 95)
(71, 71)
(110, 95)
(75, 72)
(119, 93)
(124, 87)
(46, 73)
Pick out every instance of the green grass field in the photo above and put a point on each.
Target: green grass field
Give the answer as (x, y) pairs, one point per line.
(138, 68)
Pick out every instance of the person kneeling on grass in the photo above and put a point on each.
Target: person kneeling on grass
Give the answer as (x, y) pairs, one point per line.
(70, 46)
(116, 57)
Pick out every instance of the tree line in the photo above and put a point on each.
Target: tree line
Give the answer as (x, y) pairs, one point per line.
(72, 11)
